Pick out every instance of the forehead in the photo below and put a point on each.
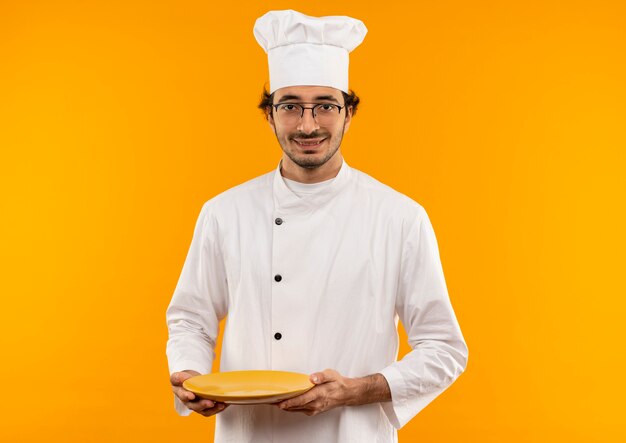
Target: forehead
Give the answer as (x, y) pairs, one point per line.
(307, 93)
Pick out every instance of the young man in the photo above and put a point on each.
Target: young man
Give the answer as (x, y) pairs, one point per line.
(314, 263)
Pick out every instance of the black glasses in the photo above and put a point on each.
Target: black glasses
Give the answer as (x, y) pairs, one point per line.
(323, 113)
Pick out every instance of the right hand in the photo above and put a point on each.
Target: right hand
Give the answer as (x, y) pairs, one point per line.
(202, 406)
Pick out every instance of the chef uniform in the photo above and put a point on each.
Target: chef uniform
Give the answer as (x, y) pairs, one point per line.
(316, 277)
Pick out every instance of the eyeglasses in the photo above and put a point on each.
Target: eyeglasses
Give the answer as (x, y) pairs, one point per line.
(323, 113)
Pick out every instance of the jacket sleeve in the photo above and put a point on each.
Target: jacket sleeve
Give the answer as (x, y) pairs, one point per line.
(439, 353)
(198, 304)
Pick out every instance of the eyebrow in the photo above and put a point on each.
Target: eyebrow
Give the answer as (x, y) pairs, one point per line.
(297, 97)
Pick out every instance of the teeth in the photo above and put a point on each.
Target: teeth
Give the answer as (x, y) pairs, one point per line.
(309, 143)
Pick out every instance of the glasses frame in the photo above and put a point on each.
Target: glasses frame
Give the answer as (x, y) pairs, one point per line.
(312, 108)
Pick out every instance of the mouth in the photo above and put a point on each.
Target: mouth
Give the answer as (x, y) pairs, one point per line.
(309, 143)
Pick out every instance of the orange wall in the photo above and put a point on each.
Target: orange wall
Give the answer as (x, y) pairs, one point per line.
(505, 120)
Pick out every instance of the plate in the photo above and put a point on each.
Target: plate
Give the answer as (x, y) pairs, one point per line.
(248, 387)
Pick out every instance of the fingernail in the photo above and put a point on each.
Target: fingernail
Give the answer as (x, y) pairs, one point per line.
(315, 379)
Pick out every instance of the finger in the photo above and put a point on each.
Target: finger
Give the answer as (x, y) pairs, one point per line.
(317, 378)
(309, 410)
(183, 394)
(293, 403)
(200, 404)
(177, 378)
(324, 376)
(219, 407)
(309, 405)
(300, 400)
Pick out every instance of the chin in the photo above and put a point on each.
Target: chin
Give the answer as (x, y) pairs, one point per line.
(309, 161)
(309, 164)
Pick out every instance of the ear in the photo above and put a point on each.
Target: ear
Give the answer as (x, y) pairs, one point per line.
(270, 117)
(348, 120)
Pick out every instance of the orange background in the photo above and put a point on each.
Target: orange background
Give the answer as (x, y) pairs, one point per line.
(505, 120)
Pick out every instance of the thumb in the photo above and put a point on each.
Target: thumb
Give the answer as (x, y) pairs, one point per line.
(321, 377)
(177, 378)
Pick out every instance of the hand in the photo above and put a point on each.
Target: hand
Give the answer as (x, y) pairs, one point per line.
(200, 405)
(331, 390)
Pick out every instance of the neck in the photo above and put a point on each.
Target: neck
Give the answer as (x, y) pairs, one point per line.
(328, 170)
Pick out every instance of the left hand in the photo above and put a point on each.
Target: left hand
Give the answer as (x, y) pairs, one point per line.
(331, 390)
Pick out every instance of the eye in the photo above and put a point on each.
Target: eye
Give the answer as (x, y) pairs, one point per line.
(326, 107)
(288, 107)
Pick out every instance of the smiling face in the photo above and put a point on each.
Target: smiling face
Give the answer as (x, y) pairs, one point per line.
(305, 142)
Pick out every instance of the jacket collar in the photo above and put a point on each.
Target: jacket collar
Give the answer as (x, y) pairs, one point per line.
(286, 201)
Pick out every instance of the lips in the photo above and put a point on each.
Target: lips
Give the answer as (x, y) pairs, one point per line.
(309, 142)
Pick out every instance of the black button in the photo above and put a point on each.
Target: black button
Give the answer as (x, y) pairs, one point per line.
(278, 336)
(277, 277)
(279, 221)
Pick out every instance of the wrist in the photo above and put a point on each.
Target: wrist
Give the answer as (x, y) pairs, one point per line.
(370, 389)
(356, 391)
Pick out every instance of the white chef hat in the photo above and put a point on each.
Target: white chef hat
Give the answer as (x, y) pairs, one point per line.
(304, 50)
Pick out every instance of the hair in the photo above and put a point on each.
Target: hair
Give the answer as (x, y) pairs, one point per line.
(351, 100)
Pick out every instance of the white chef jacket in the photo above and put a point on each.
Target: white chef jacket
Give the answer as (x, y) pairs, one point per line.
(304, 189)
(331, 272)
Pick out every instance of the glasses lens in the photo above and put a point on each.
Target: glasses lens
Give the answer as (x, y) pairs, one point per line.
(326, 113)
(289, 113)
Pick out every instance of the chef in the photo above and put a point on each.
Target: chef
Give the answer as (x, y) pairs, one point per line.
(312, 265)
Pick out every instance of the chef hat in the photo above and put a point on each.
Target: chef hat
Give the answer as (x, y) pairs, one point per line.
(304, 50)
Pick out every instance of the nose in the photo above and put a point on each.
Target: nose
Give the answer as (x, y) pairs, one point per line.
(307, 122)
